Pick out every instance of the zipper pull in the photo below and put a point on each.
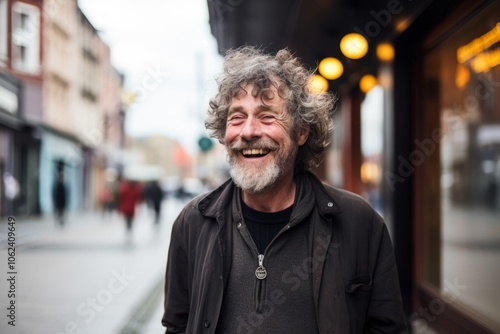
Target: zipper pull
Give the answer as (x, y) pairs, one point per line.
(261, 272)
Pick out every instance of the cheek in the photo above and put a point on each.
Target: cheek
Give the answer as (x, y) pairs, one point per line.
(231, 134)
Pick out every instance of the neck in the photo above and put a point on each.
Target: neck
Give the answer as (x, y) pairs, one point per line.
(277, 198)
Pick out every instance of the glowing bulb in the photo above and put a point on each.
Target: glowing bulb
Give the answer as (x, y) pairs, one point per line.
(462, 76)
(318, 84)
(370, 173)
(354, 46)
(367, 82)
(331, 68)
(385, 52)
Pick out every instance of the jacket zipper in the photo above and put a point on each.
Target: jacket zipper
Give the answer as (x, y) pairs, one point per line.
(261, 272)
(261, 275)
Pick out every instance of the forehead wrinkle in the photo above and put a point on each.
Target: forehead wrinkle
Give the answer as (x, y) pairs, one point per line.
(268, 107)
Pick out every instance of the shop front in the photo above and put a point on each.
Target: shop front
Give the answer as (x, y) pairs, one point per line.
(9, 122)
(61, 153)
(19, 148)
(457, 185)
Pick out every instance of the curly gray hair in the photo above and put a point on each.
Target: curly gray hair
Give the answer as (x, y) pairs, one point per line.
(250, 65)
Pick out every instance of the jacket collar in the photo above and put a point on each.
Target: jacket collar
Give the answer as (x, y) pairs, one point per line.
(326, 203)
(312, 194)
(216, 202)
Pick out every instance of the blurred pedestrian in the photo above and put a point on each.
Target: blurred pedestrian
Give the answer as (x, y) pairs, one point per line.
(180, 192)
(153, 194)
(273, 249)
(129, 195)
(60, 198)
(11, 186)
(106, 200)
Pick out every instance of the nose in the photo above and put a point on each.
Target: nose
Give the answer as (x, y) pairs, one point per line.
(251, 129)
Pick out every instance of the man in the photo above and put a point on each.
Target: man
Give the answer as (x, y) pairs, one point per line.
(273, 250)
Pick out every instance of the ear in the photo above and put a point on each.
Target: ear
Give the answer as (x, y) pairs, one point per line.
(302, 136)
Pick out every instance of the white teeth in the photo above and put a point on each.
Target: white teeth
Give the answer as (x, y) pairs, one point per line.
(254, 152)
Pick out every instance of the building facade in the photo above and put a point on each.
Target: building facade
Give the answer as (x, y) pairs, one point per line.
(82, 92)
(60, 144)
(54, 70)
(21, 85)
(110, 154)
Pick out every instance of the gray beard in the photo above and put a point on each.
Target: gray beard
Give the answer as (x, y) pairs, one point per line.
(253, 180)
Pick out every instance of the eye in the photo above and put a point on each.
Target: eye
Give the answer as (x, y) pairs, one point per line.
(236, 118)
(267, 118)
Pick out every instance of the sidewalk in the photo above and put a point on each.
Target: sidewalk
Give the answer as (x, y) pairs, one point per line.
(35, 228)
(88, 277)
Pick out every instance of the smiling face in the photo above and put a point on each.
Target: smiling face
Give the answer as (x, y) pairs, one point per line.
(261, 151)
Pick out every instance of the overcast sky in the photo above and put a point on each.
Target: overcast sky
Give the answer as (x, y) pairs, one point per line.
(166, 51)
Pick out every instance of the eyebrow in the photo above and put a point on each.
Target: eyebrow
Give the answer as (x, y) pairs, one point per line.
(233, 110)
(260, 107)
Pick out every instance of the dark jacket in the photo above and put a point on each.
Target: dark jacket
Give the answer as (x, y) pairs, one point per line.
(60, 196)
(355, 282)
(153, 193)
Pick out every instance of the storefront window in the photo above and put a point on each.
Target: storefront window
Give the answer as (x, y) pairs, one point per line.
(463, 75)
(372, 110)
(334, 156)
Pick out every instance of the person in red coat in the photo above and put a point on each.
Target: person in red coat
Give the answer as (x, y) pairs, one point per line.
(129, 194)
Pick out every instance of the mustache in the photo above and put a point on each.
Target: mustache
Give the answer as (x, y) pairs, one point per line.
(266, 144)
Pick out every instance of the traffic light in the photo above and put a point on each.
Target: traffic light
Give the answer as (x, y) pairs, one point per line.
(205, 144)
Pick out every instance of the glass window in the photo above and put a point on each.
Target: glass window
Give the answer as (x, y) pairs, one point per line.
(372, 111)
(3, 32)
(26, 37)
(24, 20)
(462, 76)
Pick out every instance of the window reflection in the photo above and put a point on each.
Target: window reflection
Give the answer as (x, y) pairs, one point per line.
(468, 98)
(372, 109)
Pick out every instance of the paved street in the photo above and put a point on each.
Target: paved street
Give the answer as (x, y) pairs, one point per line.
(88, 277)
